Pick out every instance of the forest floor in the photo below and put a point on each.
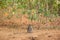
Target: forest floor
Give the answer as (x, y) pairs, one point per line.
(21, 34)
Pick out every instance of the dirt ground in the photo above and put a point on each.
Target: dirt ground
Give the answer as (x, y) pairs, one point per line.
(13, 33)
(18, 34)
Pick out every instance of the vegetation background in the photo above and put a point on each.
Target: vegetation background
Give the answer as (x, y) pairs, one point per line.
(38, 13)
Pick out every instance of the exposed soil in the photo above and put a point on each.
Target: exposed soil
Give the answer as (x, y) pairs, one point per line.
(19, 34)
(15, 29)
